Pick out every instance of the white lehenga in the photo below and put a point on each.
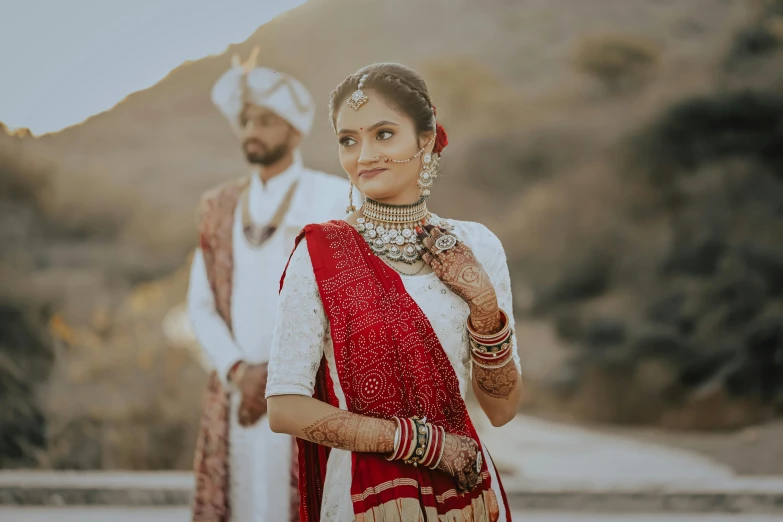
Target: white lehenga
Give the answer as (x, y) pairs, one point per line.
(302, 337)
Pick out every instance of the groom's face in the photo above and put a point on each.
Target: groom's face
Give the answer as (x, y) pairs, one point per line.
(266, 137)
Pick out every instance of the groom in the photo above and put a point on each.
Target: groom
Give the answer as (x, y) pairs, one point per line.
(247, 230)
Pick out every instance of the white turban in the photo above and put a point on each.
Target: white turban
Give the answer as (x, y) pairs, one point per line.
(275, 90)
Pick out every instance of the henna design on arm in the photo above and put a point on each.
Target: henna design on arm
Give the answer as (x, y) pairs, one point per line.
(486, 323)
(459, 269)
(499, 382)
(352, 432)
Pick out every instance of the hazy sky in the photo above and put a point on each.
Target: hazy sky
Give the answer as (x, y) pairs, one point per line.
(64, 60)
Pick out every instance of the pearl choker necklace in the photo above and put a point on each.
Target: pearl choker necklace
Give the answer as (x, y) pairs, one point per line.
(390, 230)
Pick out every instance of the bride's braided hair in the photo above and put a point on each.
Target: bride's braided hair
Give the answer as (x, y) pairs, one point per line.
(402, 87)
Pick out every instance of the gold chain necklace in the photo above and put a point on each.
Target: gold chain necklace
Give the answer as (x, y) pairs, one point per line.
(257, 235)
(417, 272)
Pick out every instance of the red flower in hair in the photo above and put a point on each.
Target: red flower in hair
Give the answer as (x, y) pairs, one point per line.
(441, 138)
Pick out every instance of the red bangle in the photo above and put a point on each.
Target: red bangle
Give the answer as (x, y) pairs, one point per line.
(236, 373)
(406, 438)
(495, 358)
(492, 341)
(432, 445)
(496, 336)
(497, 339)
(439, 449)
(233, 369)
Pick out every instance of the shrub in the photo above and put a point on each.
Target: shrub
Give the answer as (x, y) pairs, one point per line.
(704, 129)
(619, 62)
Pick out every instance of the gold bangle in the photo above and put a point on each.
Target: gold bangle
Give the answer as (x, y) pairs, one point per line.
(485, 337)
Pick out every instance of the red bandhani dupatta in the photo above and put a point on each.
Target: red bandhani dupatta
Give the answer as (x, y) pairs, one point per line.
(390, 363)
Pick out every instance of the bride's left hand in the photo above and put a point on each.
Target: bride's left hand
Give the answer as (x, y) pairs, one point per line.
(458, 269)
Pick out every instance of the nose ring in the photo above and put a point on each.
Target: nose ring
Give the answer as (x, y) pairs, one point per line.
(377, 158)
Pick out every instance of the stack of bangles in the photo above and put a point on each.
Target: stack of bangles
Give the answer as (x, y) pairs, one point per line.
(491, 351)
(416, 441)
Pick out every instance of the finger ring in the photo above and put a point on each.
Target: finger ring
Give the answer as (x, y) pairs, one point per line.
(446, 242)
(479, 461)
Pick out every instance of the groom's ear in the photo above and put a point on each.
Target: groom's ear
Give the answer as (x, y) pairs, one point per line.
(294, 138)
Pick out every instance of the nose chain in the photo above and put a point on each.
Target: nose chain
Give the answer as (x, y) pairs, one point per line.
(379, 157)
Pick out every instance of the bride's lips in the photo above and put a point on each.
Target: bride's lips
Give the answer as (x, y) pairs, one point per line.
(371, 173)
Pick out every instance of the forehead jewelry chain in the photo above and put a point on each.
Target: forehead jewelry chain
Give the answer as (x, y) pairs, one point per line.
(358, 98)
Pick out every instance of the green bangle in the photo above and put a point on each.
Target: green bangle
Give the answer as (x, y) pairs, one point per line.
(491, 348)
(419, 440)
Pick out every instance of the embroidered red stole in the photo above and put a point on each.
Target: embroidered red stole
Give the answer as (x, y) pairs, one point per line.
(390, 363)
(211, 462)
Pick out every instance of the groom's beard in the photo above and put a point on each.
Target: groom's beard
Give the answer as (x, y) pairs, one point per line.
(266, 156)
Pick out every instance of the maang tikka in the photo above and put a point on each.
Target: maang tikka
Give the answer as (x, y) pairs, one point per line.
(358, 98)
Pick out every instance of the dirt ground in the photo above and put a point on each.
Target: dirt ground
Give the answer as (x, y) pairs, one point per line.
(757, 450)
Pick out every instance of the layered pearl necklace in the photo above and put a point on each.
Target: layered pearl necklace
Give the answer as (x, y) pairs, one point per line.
(390, 230)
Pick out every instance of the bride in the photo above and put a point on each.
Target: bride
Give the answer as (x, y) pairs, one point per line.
(383, 320)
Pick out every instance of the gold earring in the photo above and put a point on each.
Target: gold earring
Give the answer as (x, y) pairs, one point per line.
(429, 171)
(351, 208)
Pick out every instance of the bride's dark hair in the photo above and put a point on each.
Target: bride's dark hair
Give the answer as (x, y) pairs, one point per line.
(402, 87)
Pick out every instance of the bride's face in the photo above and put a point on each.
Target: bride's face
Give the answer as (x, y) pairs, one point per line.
(374, 132)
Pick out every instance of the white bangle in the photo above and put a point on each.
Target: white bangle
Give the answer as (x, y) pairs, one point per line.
(396, 440)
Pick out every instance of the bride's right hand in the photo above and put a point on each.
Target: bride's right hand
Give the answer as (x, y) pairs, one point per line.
(460, 455)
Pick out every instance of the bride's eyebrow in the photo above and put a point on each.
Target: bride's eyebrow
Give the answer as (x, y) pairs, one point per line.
(369, 129)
